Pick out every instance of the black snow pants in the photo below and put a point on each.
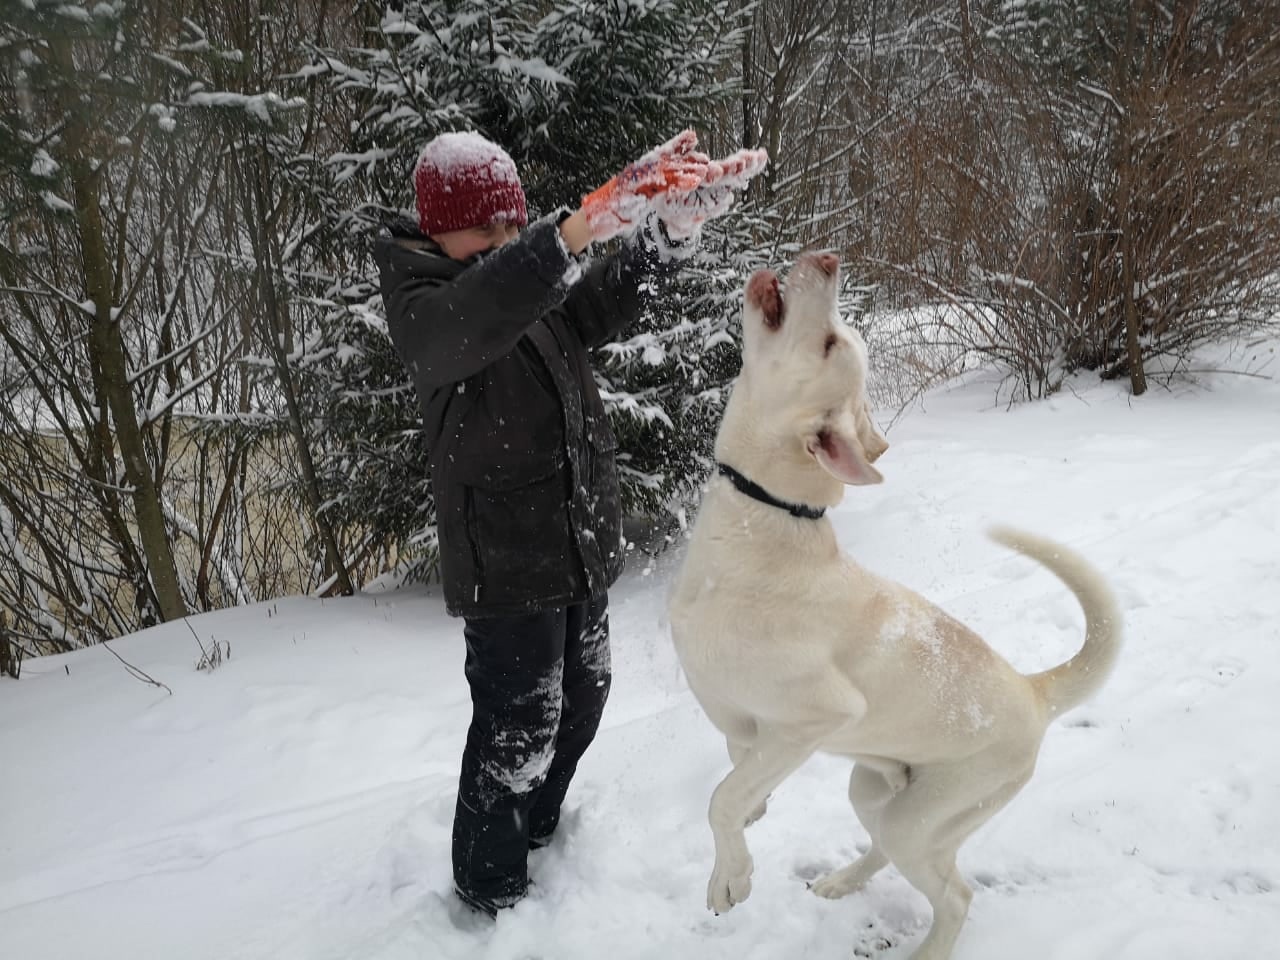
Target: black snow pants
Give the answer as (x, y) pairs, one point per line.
(538, 687)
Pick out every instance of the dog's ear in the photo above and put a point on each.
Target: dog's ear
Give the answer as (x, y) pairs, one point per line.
(763, 293)
(839, 450)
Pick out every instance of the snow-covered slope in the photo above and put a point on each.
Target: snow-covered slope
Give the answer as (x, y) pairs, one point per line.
(296, 802)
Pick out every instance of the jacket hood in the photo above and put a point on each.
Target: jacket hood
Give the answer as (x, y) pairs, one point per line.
(402, 251)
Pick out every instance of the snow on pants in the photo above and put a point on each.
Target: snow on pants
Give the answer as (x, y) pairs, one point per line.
(538, 686)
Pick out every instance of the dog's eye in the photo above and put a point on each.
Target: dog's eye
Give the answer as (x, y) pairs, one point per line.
(832, 340)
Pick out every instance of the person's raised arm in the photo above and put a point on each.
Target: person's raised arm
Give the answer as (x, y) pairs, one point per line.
(575, 231)
(447, 330)
(673, 190)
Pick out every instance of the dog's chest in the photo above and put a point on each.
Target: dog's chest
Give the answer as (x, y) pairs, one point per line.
(755, 590)
(723, 614)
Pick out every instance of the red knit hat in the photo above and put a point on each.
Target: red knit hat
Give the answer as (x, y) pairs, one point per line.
(463, 180)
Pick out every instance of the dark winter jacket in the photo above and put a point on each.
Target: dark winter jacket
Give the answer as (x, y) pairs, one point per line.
(519, 447)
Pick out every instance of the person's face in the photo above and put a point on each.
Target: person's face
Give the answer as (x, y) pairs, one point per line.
(464, 244)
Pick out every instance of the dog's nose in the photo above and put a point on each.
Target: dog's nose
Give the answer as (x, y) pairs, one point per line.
(828, 263)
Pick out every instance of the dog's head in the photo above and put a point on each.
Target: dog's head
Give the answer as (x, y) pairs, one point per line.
(805, 372)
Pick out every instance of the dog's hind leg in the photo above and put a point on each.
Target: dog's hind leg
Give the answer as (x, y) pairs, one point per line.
(923, 826)
(869, 792)
(851, 879)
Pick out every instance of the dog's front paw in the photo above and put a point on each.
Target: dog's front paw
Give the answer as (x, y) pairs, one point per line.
(729, 886)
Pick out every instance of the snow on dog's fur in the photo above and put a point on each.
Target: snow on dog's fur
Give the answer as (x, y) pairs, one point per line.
(791, 647)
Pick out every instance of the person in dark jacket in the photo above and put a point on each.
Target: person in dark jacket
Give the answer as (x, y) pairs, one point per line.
(494, 324)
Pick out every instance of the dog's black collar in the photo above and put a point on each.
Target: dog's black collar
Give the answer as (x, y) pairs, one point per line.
(757, 492)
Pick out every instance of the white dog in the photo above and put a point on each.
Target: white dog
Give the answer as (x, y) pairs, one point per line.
(791, 647)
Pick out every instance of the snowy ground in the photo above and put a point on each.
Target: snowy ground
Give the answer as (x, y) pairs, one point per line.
(296, 802)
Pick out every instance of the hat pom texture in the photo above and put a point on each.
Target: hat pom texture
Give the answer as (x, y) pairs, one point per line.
(463, 180)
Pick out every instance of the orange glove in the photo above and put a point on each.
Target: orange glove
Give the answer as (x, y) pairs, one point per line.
(671, 170)
(684, 213)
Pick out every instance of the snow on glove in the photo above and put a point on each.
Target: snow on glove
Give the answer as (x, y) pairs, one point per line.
(668, 171)
(684, 213)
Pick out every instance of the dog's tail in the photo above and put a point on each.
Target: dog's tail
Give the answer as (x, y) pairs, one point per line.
(1073, 682)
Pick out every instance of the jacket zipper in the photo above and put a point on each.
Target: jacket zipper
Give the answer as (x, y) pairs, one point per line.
(472, 538)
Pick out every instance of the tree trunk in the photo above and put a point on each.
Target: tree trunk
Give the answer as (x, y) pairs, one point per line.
(1133, 347)
(750, 125)
(1128, 173)
(10, 663)
(966, 37)
(107, 349)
